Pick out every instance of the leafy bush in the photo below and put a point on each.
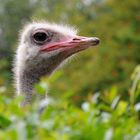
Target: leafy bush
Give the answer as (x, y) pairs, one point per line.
(104, 116)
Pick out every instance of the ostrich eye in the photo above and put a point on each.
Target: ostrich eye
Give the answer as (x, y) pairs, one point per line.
(40, 37)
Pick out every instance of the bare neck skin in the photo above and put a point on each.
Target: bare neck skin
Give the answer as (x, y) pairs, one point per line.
(29, 77)
(26, 83)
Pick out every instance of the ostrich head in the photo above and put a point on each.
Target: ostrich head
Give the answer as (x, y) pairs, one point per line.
(42, 48)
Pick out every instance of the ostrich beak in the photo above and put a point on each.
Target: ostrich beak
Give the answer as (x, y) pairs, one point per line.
(76, 43)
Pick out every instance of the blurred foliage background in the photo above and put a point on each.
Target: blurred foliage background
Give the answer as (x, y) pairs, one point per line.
(105, 75)
(115, 22)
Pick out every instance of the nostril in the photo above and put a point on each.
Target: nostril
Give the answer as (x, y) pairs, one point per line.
(75, 39)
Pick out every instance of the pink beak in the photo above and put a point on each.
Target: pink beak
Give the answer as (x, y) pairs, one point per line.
(78, 42)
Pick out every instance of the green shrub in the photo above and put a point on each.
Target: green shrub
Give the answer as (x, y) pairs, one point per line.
(104, 116)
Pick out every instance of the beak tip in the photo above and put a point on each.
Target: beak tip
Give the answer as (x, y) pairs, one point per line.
(96, 41)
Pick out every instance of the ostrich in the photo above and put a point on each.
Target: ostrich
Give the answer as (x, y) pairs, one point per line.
(42, 48)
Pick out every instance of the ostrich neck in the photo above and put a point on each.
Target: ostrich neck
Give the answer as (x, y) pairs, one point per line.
(26, 82)
(32, 74)
(29, 77)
